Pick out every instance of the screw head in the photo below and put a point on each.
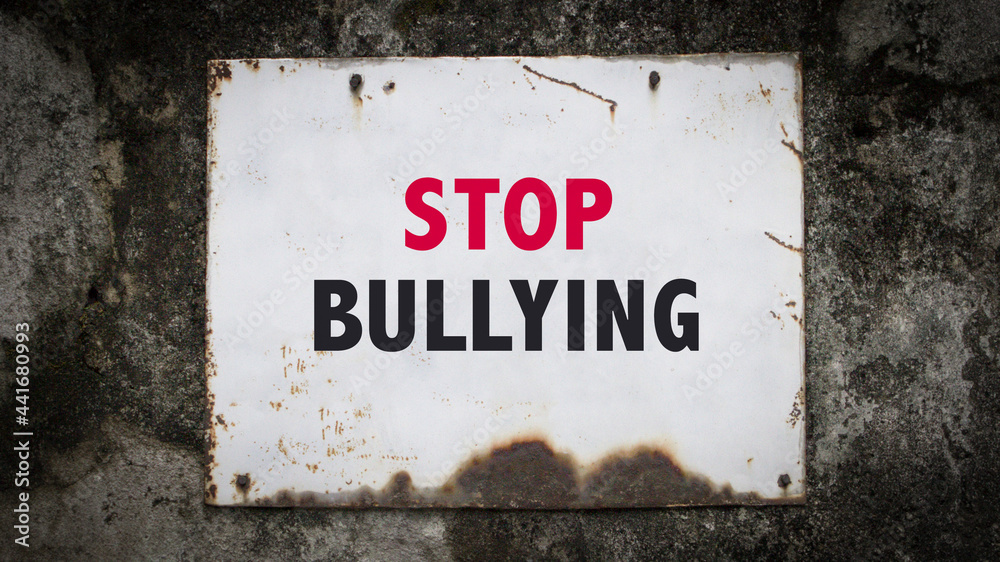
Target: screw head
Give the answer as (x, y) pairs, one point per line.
(355, 81)
(784, 480)
(654, 79)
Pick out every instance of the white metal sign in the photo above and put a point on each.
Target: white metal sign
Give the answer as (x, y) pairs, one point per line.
(506, 282)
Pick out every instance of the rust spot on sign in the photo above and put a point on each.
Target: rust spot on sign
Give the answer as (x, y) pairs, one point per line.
(766, 92)
(795, 416)
(784, 481)
(647, 477)
(242, 483)
(523, 474)
(218, 71)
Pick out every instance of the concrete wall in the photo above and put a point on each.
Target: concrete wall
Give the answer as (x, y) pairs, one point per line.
(102, 235)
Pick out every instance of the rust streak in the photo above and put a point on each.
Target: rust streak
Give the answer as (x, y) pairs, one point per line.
(573, 85)
(783, 244)
(791, 146)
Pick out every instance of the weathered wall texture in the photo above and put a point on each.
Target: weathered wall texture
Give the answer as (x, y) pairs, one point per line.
(102, 226)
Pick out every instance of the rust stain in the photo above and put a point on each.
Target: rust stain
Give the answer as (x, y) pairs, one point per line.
(356, 113)
(573, 85)
(209, 408)
(795, 416)
(647, 477)
(210, 464)
(284, 449)
(766, 92)
(218, 71)
(521, 474)
(243, 484)
(530, 474)
(784, 481)
(795, 151)
(782, 243)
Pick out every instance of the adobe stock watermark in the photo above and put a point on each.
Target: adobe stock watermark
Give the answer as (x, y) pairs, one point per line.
(293, 278)
(780, 476)
(723, 361)
(277, 121)
(374, 369)
(583, 156)
(656, 258)
(754, 162)
(465, 447)
(425, 147)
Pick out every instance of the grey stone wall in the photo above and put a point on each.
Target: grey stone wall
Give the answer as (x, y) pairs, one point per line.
(102, 236)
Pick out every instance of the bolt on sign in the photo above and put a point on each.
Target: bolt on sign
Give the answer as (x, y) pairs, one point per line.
(568, 282)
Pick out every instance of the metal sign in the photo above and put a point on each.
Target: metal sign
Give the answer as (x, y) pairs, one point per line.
(565, 282)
